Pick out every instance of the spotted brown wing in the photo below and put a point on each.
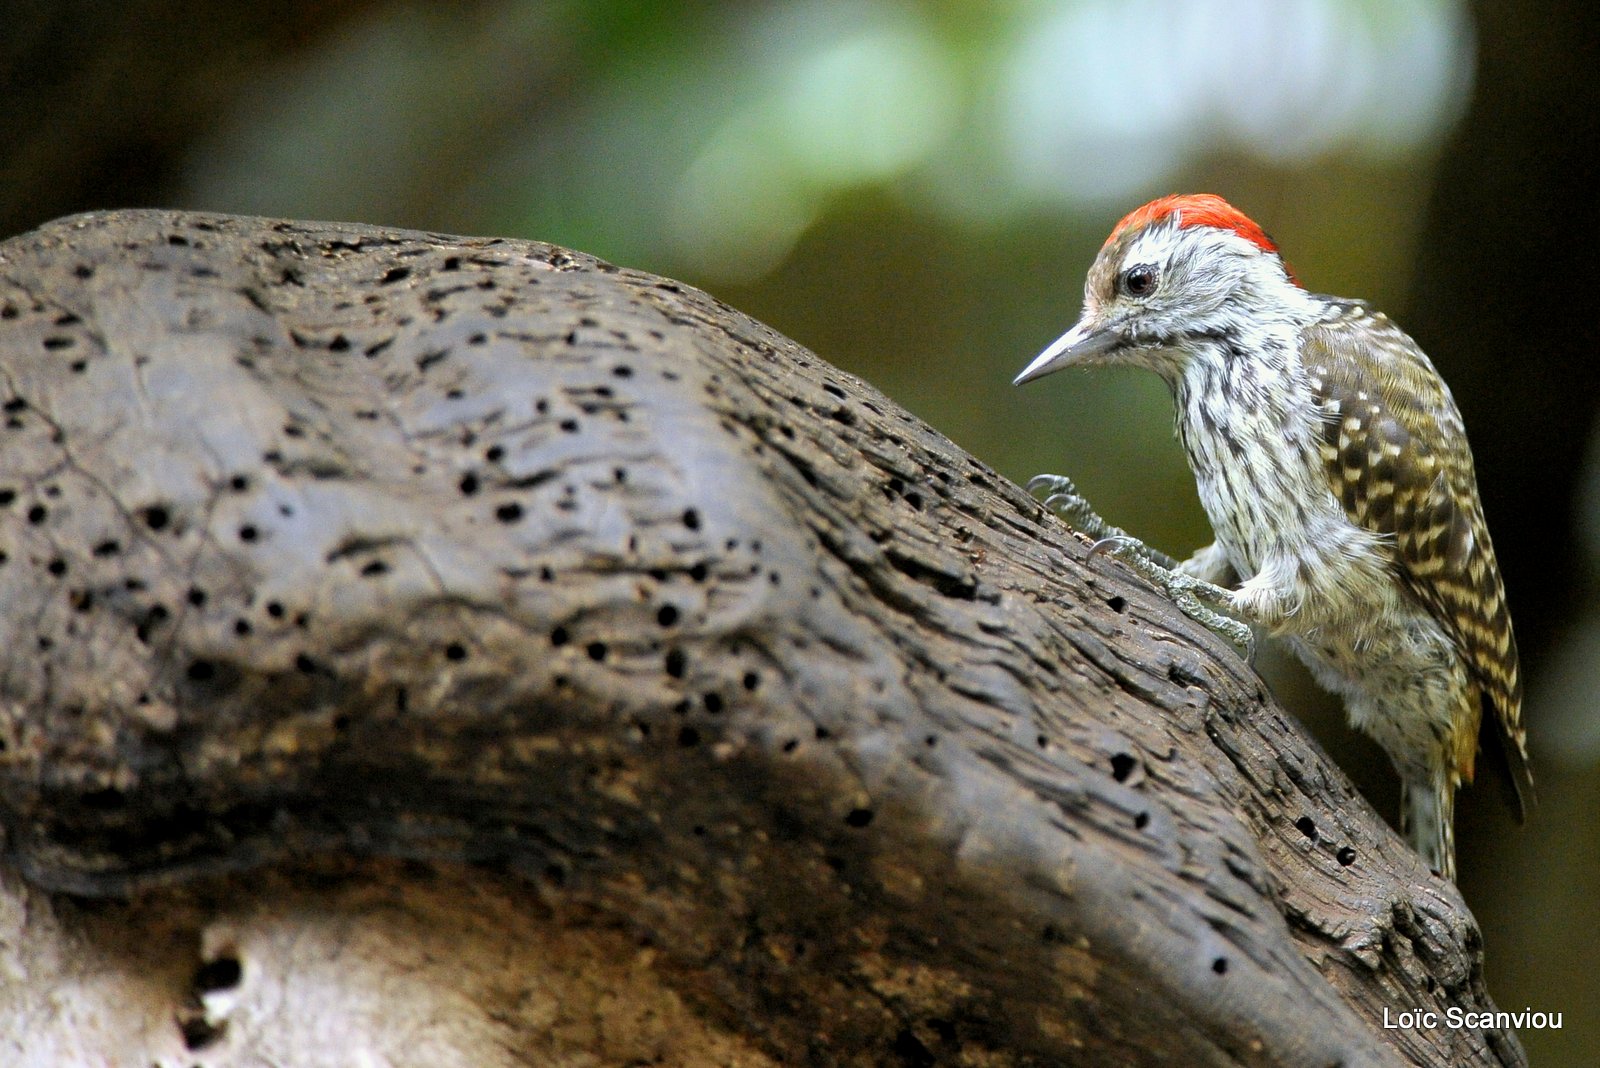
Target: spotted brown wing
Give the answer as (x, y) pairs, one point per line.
(1398, 459)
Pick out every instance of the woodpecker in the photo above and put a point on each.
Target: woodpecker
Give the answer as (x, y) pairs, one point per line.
(1333, 464)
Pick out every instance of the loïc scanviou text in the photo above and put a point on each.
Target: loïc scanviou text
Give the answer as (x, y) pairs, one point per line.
(1457, 1018)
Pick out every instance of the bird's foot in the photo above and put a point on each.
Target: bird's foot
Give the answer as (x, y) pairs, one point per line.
(1063, 498)
(1195, 598)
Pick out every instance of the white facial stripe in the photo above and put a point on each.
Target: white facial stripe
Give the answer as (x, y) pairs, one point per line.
(1152, 246)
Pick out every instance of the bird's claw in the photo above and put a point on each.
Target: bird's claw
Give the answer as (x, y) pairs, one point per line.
(1120, 546)
(1053, 483)
(1063, 498)
(1195, 598)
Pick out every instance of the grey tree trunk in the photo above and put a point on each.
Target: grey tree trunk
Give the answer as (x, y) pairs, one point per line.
(464, 651)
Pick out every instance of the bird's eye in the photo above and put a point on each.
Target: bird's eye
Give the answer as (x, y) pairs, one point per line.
(1139, 281)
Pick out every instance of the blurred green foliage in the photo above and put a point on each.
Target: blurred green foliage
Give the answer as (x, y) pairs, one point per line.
(914, 190)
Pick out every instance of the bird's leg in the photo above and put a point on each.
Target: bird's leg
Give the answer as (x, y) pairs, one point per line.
(1195, 597)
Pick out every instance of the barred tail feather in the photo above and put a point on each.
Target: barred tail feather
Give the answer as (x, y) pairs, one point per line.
(1428, 821)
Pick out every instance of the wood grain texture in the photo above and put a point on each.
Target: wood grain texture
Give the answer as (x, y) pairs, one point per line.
(325, 542)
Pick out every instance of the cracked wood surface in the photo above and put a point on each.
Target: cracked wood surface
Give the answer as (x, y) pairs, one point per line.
(329, 544)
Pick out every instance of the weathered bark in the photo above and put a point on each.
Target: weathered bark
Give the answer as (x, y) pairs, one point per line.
(499, 589)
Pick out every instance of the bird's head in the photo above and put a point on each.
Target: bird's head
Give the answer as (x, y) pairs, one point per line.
(1174, 273)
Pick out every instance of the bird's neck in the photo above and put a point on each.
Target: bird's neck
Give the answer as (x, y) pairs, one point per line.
(1250, 428)
(1249, 370)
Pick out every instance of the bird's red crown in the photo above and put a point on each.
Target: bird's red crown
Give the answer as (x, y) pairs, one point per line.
(1195, 209)
(1199, 209)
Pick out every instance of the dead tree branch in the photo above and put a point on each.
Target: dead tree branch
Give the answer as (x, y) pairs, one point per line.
(525, 602)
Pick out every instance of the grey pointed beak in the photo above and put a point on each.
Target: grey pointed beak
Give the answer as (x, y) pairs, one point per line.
(1084, 343)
